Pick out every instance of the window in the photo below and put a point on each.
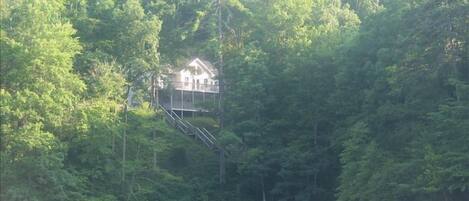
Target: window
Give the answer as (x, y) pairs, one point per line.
(205, 81)
(186, 81)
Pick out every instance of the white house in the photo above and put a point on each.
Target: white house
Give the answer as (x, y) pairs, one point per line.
(198, 75)
(190, 86)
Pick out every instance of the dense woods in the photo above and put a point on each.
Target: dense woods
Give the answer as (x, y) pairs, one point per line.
(329, 100)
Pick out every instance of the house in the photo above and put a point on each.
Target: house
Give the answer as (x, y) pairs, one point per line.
(190, 89)
(198, 75)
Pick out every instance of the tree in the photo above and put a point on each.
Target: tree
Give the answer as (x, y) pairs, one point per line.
(39, 93)
(400, 155)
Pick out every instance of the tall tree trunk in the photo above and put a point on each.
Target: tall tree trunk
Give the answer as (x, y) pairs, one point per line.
(222, 168)
(221, 81)
(315, 141)
(152, 92)
(154, 151)
(124, 135)
(132, 180)
(263, 188)
(157, 95)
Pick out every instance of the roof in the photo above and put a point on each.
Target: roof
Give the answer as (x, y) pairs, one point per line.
(204, 64)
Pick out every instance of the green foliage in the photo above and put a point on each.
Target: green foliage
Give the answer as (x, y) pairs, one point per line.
(208, 123)
(38, 94)
(325, 100)
(404, 80)
(62, 131)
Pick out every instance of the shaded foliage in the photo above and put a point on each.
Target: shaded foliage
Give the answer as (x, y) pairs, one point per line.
(325, 100)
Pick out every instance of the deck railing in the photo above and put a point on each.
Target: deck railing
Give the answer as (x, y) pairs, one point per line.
(187, 100)
(192, 86)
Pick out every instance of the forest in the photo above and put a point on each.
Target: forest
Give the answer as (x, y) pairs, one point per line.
(320, 100)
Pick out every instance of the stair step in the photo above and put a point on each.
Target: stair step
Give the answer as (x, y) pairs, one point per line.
(185, 127)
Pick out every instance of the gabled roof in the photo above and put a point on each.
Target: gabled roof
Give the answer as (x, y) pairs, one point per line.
(207, 66)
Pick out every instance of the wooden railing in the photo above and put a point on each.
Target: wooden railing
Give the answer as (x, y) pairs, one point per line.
(192, 86)
(201, 134)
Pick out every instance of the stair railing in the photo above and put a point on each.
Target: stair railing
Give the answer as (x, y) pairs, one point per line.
(188, 129)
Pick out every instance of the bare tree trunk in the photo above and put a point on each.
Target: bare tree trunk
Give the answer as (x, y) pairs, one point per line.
(221, 89)
(132, 181)
(315, 141)
(152, 91)
(124, 135)
(157, 95)
(263, 188)
(154, 151)
(222, 168)
(221, 80)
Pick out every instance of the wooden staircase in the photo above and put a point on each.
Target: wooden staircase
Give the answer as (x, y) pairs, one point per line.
(200, 134)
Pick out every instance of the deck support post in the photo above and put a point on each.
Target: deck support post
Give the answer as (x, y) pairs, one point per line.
(203, 96)
(182, 104)
(171, 100)
(193, 103)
